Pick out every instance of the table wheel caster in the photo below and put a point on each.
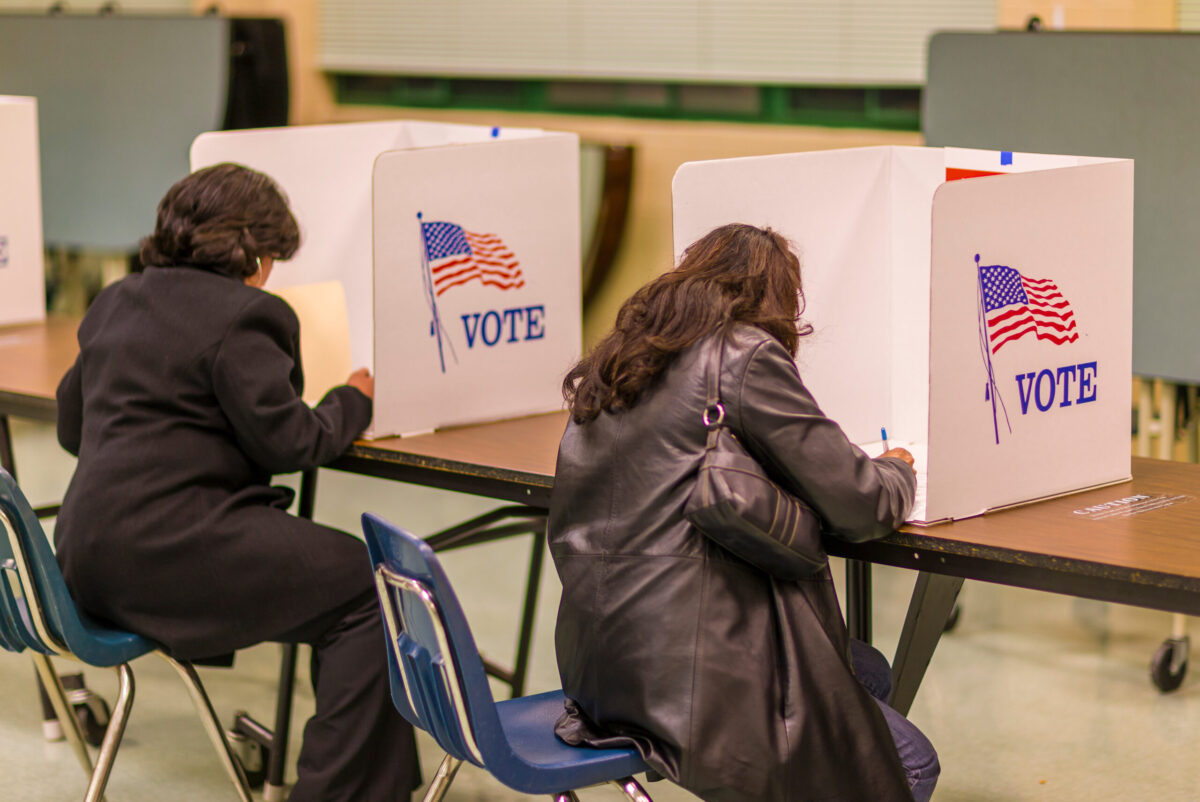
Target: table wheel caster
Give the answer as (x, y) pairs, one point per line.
(249, 754)
(1169, 664)
(90, 709)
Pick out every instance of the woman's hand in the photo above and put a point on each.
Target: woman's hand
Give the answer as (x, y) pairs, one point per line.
(900, 453)
(364, 382)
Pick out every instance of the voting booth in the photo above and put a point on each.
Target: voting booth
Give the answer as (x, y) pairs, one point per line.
(986, 324)
(22, 274)
(457, 251)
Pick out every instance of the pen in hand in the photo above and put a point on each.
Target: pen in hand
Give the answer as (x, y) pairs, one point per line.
(899, 453)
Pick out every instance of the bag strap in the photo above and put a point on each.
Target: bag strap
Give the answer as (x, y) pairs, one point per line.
(713, 415)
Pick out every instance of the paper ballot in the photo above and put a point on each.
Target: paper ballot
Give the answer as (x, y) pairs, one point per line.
(920, 452)
(324, 335)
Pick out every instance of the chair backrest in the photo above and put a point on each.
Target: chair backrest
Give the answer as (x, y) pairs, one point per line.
(43, 616)
(437, 676)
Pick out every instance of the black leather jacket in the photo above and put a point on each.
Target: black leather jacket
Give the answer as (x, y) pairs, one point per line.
(732, 683)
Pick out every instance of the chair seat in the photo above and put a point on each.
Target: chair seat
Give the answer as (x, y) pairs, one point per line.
(103, 647)
(546, 765)
(95, 644)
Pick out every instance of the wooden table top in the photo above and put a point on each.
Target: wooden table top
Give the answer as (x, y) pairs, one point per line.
(510, 459)
(33, 358)
(1152, 536)
(1150, 524)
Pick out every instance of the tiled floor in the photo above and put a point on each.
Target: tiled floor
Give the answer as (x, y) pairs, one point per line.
(1032, 697)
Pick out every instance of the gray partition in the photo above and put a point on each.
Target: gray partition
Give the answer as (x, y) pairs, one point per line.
(120, 100)
(1097, 94)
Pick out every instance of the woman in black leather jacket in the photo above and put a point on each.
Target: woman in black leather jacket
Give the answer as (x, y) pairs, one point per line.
(731, 682)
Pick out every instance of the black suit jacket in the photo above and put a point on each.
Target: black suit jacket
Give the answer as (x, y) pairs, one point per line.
(183, 402)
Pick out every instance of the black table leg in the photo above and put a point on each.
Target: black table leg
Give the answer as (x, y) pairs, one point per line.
(858, 599)
(501, 523)
(533, 583)
(6, 452)
(932, 600)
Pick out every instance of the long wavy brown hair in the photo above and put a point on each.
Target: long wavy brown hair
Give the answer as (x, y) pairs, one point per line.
(734, 274)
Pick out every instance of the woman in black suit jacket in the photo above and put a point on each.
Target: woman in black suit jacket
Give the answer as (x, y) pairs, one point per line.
(183, 403)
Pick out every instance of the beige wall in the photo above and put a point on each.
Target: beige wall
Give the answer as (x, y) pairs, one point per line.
(1151, 15)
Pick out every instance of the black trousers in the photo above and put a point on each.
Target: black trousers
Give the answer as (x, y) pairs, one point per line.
(264, 575)
(356, 746)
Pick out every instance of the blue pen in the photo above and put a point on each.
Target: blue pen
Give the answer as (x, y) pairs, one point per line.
(883, 436)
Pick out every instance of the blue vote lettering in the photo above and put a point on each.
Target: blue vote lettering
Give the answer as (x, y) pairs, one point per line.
(1043, 387)
(519, 323)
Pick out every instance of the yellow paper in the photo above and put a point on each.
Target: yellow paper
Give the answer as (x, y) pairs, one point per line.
(324, 335)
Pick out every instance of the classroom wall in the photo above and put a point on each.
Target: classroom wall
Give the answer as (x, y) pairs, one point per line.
(1146, 15)
(662, 145)
(90, 6)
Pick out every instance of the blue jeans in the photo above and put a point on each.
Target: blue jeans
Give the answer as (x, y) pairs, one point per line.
(917, 755)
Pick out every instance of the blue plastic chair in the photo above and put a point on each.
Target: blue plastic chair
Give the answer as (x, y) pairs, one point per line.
(38, 614)
(439, 684)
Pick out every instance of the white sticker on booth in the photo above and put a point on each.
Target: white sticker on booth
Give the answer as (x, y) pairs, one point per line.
(477, 282)
(22, 274)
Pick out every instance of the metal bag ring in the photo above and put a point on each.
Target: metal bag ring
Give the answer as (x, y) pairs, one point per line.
(720, 415)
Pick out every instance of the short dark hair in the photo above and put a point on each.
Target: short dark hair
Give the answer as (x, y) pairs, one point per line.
(734, 274)
(222, 218)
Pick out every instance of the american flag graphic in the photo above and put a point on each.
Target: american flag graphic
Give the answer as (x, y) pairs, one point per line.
(1015, 306)
(457, 256)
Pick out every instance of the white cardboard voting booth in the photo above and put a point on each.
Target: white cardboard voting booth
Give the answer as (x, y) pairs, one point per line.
(500, 213)
(986, 323)
(22, 274)
(477, 281)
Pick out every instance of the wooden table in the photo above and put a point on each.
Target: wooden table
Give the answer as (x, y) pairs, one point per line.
(1144, 553)
(512, 460)
(33, 358)
(1136, 543)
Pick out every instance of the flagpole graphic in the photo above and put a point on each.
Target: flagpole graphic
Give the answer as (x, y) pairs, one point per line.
(435, 322)
(452, 256)
(992, 392)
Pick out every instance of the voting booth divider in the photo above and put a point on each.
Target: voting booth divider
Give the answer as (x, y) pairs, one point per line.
(22, 274)
(985, 323)
(457, 247)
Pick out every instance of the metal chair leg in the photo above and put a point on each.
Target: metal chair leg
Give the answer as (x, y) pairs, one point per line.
(112, 735)
(212, 726)
(440, 783)
(62, 709)
(632, 789)
(274, 788)
(566, 796)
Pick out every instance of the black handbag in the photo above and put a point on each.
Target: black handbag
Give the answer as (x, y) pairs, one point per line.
(737, 505)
